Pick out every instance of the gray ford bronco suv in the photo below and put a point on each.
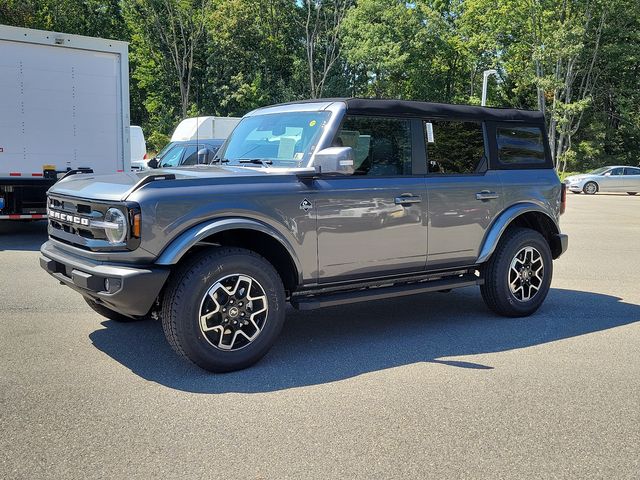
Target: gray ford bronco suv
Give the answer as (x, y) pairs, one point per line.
(317, 203)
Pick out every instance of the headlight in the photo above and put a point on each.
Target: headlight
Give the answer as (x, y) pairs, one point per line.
(115, 223)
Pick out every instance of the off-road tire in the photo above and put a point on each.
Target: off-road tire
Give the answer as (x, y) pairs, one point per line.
(181, 307)
(588, 188)
(110, 314)
(495, 290)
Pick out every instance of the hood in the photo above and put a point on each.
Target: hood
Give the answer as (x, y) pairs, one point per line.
(117, 187)
(577, 178)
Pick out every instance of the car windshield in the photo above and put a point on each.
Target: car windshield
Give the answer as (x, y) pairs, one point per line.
(277, 139)
(598, 171)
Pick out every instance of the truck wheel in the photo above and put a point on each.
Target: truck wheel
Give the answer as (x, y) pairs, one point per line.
(518, 274)
(223, 309)
(108, 313)
(590, 188)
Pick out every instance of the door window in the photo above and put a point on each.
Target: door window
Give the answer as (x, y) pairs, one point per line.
(520, 146)
(455, 147)
(381, 146)
(172, 157)
(631, 171)
(190, 155)
(616, 171)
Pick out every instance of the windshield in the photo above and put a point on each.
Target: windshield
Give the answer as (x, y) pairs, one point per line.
(277, 139)
(598, 171)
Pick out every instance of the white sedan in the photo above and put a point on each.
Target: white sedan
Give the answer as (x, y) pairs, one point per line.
(606, 179)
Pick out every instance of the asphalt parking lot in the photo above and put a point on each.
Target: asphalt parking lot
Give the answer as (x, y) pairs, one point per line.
(432, 386)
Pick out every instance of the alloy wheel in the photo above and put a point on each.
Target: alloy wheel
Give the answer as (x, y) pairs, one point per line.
(526, 274)
(233, 312)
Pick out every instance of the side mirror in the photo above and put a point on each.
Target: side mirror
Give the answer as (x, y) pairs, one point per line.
(335, 160)
(153, 163)
(204, 156)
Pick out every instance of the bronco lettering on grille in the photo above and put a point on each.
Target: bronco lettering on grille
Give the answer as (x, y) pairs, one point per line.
(68, 218)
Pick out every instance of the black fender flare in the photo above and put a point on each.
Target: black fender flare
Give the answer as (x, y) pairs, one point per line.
(187, 239)
(493, 235)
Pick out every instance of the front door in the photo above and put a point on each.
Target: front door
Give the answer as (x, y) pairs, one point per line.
(612, 181)
(372, 223)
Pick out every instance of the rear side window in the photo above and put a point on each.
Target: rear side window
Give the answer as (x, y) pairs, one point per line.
(455, 147)
(520, 146)
(632, 171)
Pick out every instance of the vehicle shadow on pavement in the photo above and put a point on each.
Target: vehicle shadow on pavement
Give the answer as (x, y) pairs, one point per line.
(25, 236)
(342, 342)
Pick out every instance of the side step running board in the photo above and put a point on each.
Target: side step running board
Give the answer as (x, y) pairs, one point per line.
(379, 293)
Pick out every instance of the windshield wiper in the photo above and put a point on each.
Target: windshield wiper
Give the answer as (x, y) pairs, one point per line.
(256, 161)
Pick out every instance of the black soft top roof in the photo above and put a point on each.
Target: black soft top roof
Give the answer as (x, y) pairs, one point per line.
(411, 108)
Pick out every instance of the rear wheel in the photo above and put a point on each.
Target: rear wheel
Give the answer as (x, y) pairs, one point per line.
(110, 314)
(518, 275)
(632, 193)
(590, 188)
(224, 309)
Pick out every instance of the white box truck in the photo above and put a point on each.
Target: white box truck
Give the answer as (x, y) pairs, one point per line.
(204, 127)
(64, 105)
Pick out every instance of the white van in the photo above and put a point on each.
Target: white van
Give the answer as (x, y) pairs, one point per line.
(138, 148)
(204, 127)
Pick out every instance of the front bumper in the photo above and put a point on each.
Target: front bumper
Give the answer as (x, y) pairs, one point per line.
(130, 290)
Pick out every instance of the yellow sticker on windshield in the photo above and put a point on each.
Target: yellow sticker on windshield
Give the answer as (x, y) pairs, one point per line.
(312, 123)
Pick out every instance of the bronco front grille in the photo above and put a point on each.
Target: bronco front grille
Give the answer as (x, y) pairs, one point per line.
(70, 221)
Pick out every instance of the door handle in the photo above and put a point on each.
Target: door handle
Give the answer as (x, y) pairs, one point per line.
(486, 195)
(407, 199)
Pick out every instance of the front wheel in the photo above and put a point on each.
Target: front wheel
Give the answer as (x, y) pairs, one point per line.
(590, 188)
(224, 309)
(518, 275)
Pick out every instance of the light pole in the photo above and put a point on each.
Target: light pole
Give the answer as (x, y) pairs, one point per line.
(485, 78)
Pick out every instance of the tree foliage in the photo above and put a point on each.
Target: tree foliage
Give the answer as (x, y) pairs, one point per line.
(577, 60)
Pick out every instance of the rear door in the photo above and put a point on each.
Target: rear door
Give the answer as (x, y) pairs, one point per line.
(60, 106)
(373, 223)
(632, 179)
(464, 196)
